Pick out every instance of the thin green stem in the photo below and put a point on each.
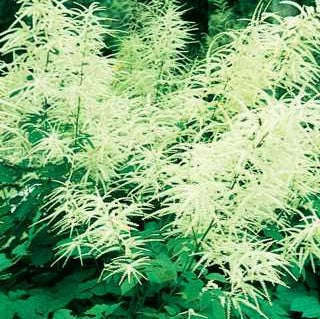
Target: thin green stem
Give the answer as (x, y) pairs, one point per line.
(198, 245)
(77, 124)
(188, 265)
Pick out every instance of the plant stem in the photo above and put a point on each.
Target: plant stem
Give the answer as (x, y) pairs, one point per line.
(77, 125)
(198, 244)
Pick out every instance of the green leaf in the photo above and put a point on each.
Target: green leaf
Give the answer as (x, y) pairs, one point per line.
(21, 250)
(4, 209)
(308, 305)
(127, 287)
(6, 310)
(63, 314)
(152, 314)
(217, 277)
(17, 91)
(100, 311)
(34, 307)
(163, 270)
(275, 310)
(8, 174)
(41, 256)
(286, 293)
(192, 289)
(4, 262)
(27, 207)
(73, 286)
(106, 286)
(41, 248)
(211, 307)
(273, 232)
(55, 171)
(172, 310)
(35, 135)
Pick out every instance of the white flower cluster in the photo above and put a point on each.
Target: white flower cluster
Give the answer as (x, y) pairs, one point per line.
(228, 146)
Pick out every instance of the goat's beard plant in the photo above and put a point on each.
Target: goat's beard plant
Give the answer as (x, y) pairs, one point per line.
(223, 149)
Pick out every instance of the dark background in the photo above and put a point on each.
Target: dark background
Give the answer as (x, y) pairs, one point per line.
(209, 16)
(199, 10)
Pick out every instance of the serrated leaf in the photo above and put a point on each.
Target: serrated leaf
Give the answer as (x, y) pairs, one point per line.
(308, 305)
(211, 307)
(192, 289)
(172, 310)
(63, 314)
(34, 307)
(108, 286)
(286, 294)
(163, 270)
(55, 171)
(100, 311)
(275, 310)
(217, 277)
(126, 287)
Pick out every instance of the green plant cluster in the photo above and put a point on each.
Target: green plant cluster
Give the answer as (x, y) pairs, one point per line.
(148, 184)
(224, 14)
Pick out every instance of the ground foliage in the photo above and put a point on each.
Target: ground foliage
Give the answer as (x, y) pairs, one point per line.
(144, 184)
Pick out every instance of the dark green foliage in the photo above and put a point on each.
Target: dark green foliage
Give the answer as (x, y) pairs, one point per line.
(37, 291)
(299, 301)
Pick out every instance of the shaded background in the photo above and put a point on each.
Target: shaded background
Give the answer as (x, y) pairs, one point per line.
(210, 16)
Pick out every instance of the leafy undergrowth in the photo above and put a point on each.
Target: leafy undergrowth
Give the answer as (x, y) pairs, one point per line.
(37, 291)
(33, 288)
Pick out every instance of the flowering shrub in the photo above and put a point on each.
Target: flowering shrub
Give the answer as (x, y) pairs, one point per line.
(190, 186)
